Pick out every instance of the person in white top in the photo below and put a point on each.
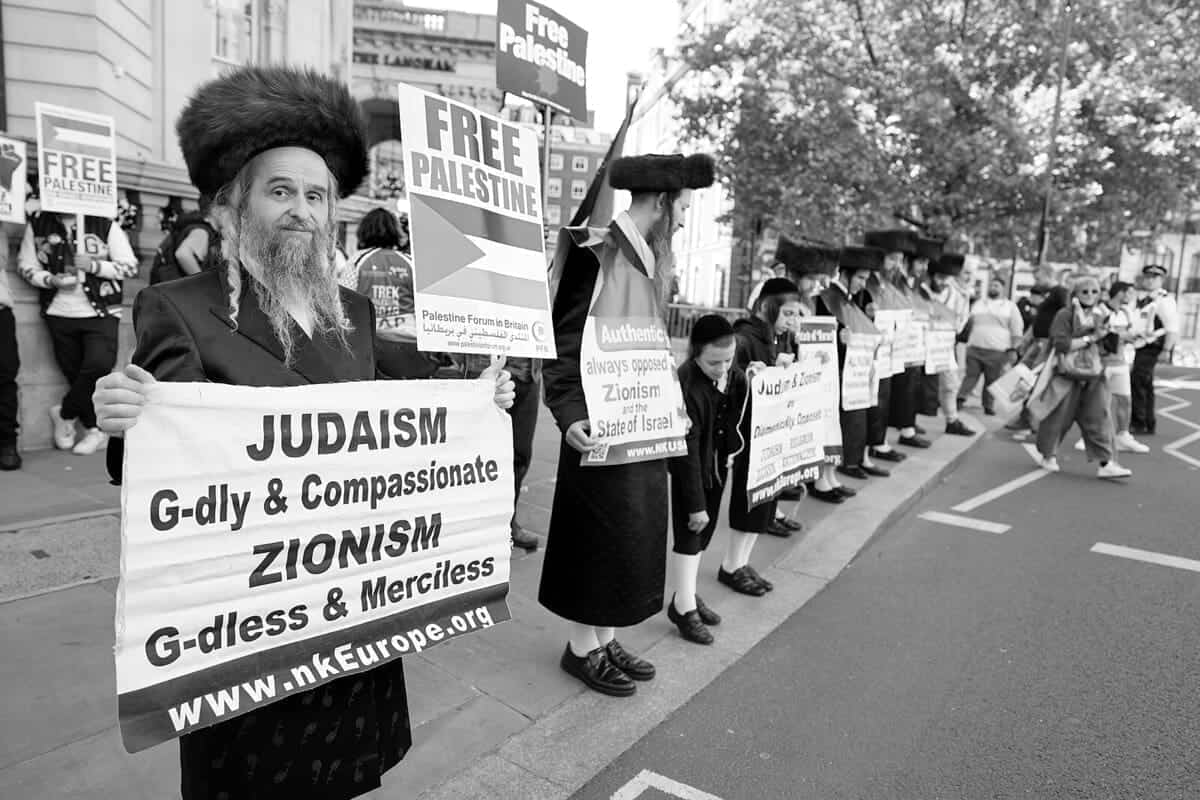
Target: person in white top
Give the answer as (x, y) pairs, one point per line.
(1158, 322)
(995, 330)
(1117, 354)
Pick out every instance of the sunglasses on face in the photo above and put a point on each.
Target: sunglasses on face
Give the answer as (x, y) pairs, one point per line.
(1089, 291)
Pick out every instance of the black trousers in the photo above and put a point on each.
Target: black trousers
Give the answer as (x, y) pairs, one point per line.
(878, 414)
(687, 542)
(854, 437)
(524, 413)
(86, 351)
(906, 388)
(1141, 379)
(931, 401)
(10, 363)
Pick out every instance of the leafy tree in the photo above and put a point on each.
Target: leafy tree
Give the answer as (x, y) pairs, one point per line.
(832, 116)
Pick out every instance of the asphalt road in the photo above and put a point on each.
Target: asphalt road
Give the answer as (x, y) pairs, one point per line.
(948, 662)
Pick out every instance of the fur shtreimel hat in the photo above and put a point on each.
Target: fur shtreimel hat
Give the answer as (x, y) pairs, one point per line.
(856, 258)
(249, 110)
(801, 260)
(949, 264)
(710, 328)
(893, 241)
(659, 173)
(930, 249)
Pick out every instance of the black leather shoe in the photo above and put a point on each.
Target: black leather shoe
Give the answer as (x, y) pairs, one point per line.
(827, 496)
(895, 456)
(637, 668)
(777, 528)
(763, 582)
(793, 525)
(523, 539)
(853, 472)
(10, 459)
(914, 441)
(741, 581)
(846, 491)
(690, 626)
(955, 427)
(875, 472)
(597, 672)
(707, 615)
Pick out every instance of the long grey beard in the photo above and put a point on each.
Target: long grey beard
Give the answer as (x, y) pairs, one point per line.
(296, 272)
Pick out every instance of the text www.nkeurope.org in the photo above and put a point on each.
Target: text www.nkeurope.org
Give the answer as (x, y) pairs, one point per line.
(345, 659)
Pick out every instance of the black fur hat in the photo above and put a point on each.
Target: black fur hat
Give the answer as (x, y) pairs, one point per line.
(856, 258)
(659, 173)
(800, 260)
(948, 264)
(893, 241)
(930, 249)
(248, 110)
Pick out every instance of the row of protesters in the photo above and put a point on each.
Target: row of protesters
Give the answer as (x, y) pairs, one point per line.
(276, 148)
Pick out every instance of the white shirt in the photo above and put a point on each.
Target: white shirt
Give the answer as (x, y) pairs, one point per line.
(995, 324)
(630, 229)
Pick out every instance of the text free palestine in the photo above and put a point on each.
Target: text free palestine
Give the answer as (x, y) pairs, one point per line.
(460, 179)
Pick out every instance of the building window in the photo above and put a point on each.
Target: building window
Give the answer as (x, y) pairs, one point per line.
(554, 215)
(579, 163)
(578, 189)
(554, 187)
(556, 161)
(234, 40)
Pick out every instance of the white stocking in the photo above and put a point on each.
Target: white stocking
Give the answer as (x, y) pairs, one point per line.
(583, 639)
(605, 635)
(683, 579)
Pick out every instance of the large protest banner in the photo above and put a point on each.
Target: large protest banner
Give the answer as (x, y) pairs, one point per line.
(268, 547)
(77, 161)
(859, 371)
(541, 56)
(787, 429)
(12, 180)
(816, 347)
(479, 264)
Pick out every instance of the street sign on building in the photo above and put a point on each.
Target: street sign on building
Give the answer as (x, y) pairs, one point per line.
(541, 56)
(77, 161)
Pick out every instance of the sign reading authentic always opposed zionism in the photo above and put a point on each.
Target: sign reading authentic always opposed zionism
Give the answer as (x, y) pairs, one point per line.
(816, 344)
(301, 545)
(541, 56)
(12, 180)
(787, 428)
(479, 263)
(77, 161)
(859, 381)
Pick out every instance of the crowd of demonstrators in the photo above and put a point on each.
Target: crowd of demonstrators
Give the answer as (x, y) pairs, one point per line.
(995, 331)
(79, 277)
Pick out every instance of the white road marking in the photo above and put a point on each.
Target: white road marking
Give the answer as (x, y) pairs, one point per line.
(965, 522)
(1173, 449)
(1147, 556)
(652, 780)
(1000, 491)
(1169, 383)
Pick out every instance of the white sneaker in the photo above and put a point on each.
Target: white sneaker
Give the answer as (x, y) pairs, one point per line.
(1050, 464)
(1113, 470)
(1020, 436)
(1080, 446)
(1127, 443)
(92, 441)
(64, 429)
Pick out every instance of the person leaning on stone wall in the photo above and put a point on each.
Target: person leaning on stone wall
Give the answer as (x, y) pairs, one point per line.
(80, 295)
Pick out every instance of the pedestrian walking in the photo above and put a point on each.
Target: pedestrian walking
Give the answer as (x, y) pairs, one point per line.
(276, 148)
(1116, 354)
(80, 290)
(716, 394)
(1077, 392)
(995, 331)
(605, 562)
(1158, 324)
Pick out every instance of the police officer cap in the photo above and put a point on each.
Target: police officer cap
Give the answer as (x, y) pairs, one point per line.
(1155, 269)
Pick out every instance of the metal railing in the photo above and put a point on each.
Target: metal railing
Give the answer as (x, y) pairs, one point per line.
(681, 317)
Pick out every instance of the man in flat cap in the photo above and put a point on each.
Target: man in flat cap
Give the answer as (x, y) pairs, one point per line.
(1159, 323)
(607, 541)
(275, 148)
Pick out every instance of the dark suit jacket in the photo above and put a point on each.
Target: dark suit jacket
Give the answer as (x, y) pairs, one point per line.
(184, 333)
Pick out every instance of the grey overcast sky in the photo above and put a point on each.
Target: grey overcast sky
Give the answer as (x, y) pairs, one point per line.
(621, 34)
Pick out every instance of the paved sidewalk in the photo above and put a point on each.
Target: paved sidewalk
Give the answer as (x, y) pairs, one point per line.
(493, 715)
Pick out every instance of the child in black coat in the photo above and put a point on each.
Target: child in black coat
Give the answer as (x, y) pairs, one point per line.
(715, 393)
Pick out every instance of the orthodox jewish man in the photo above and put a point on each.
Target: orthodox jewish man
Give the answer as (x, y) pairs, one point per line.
(892, 288)
(855, 265)
(276, 148)
(607, 541)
